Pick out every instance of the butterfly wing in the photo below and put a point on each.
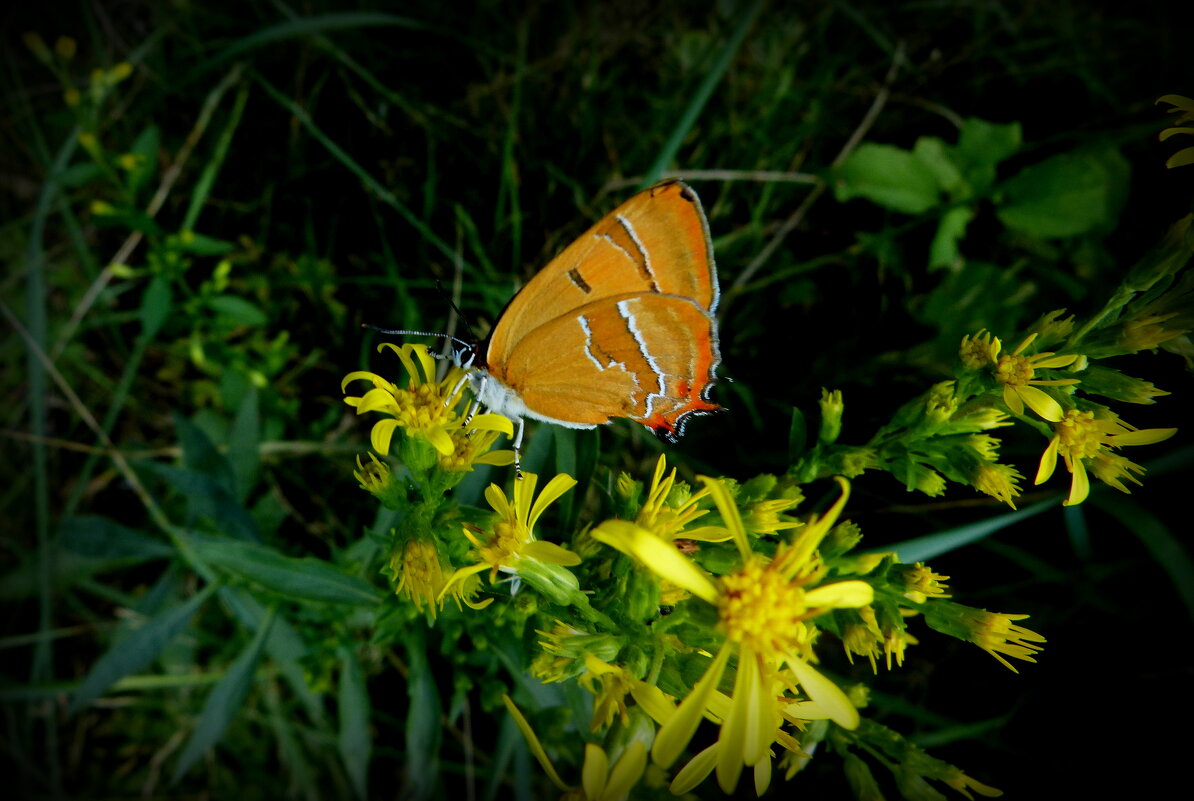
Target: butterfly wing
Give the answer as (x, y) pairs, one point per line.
(650, 357)
(656, 242)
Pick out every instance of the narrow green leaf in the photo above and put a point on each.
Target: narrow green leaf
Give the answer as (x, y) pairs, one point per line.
(206, 497)
(237, 310)
(224, 703)
(138, 649)
(144, 162)
(199, 453)
(1166, 548)
(155, 306)
(244, 441)
(100, 538)
(200, 245)
(307, 579)
(355, 741)
(920, 549)
(422, 725)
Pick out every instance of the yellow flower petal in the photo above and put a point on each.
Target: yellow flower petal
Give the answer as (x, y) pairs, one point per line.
(560, 484)
(729, 513)
(533, 743)
(1041, 402)
(841, 594)
(1080, 486)
(595, 770)
(824, 692)
(382, 433)
(626, 773)
(661, 557)
(440, 440)
(673, 736)
(1048, 462)
(695, 771)
(492, 422)
(1012, 399)
(1145, 436)
(551, 553)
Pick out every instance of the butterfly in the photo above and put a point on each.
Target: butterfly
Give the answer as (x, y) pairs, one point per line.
(620, 324)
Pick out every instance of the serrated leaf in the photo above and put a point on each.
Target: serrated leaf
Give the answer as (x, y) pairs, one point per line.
(224, 702)
(355, 741)
(889, 176)
(307, 579)
(136, 650)
(237, 309)
(1066, 195)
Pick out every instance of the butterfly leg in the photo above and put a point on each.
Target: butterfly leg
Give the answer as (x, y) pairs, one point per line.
(518, 449)
(456, 391)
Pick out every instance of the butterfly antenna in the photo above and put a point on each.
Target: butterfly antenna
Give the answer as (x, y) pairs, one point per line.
(405, 331)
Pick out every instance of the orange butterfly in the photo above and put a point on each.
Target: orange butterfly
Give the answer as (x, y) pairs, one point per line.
(620, 324)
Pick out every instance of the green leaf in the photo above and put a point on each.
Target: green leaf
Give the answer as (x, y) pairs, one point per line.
(939, 159)
(100, 538)
(224, 703)
(307, 579)
(422, 724)
(1166, 547)
(355, 742)
(982, 142)
(77, 175)
(921, 549)
(244, 441)
(1066, 195)
(951, 229)
(138, 649)
(155, 306)
(200, 245)
(889, 176)
(237, 309)
(199, 453)
(208, 498)
(145, 150)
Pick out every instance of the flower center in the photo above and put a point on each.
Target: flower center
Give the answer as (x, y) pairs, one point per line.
(762, 609)
(1079, 434)
(422, 407)
(1013, 370)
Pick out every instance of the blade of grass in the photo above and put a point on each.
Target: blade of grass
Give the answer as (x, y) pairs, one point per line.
(704, 91)
(385, 195)
(920, 549)
(355, 741)
(1165, 547)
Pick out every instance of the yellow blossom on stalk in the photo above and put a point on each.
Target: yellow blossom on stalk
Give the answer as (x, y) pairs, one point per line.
(994, 632)
(1016, 373)
(427, 409)
(666, 513)
(979, 351)
(920, 582)
(1000, 481)
(511, 539)
(375, 476)
(863, 637)
(1086, 442)
(600, 781)
(419, 574)
(765, 608)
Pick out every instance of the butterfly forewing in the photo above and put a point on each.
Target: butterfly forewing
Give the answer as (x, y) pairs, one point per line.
(656, 242)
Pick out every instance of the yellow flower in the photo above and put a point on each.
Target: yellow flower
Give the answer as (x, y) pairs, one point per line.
(429, 410)
(419, 575)
(1085, 442)
(1016, 373)
(765, 609)
(670, 508)
(510, 545)
(997, 480)
(599, 780)
(920, 582)
(994, 632)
